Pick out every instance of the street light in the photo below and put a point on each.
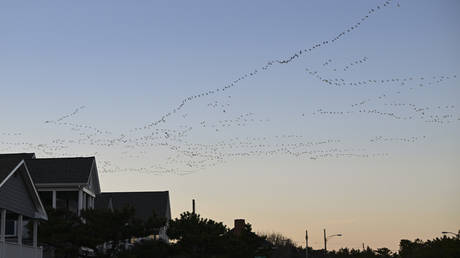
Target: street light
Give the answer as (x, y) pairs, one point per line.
(457, 235)
(327, 238)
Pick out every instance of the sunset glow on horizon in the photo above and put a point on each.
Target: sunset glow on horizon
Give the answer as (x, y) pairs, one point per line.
(293, 115)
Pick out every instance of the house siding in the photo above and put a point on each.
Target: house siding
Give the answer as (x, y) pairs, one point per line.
(15, 196)
(93, 183)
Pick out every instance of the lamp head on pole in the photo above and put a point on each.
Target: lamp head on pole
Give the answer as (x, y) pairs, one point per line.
(334, 235)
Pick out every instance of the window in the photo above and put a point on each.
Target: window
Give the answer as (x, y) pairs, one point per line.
(10, 229)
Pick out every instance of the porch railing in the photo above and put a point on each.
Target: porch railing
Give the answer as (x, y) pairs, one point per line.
(13, 250)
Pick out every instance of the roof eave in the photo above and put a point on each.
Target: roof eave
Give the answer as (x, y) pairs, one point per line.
(61, 184)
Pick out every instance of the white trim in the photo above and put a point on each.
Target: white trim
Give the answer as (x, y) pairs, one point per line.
(83, 200)
(53, 199)
(59, 184)
(76, 189)
(43, 211)
(58, 189)
(2, 225)
(94, 168)
(89, 192)
(20, 226)
(35, 233)
(80, 202)
(90, 172)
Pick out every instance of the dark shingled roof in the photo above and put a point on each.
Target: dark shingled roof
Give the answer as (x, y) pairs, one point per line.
(17, 156)
(143, 202)
(60, 170)
(6, 166)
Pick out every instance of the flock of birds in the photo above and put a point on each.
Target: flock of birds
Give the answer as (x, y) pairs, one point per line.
(395, 87)
(420, 81)
(75, 112)
(398, 139)
(178, 154)
(298, 54)
(438, 114)
(348, 66)
(421, 114)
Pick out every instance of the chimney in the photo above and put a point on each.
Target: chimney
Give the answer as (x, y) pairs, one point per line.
(239, 226)
(193, 206)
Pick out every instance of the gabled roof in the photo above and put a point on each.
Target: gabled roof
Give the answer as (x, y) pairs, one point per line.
(17, 156)
(143, 202)
(61, 170)
(6, 166)
(8, 169)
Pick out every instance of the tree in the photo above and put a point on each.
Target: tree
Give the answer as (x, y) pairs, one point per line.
(115, 228)
(439, 247)
(246, 243)
(61, 234)
(200, 237)
(197, 236)
(384, 252)
(148, 248)
(284, 247)
(65, 233)
(153, 224)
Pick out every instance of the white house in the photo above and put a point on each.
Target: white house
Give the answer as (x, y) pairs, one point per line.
(70, 183)
(19, 202)
(73, 184)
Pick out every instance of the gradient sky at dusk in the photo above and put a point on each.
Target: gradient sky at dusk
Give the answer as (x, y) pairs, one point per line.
(130, 62)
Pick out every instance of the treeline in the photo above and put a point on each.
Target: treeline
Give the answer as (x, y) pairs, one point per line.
(445, 247)
(109, 234)
(95, 233)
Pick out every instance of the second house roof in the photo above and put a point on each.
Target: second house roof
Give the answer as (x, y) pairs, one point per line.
(61, 170)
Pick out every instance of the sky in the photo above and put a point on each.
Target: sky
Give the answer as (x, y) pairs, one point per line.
(212, 100)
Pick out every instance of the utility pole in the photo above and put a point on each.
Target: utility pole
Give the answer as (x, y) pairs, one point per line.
(325, 242)
(306, 243)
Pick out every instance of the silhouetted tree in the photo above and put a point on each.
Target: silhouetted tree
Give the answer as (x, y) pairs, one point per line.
(65, 233)
(384, 252)
(283, 247)
(246, 243)
(113, 229)
(61, 234)
(196, 236)
(439, 247)
(150, 249)
(200, 237)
